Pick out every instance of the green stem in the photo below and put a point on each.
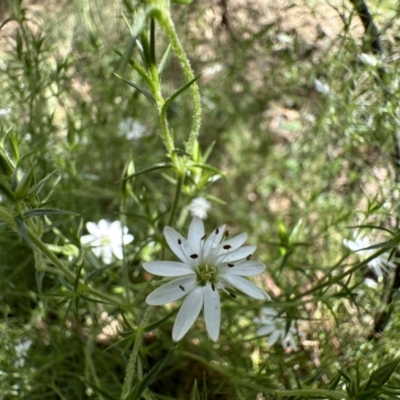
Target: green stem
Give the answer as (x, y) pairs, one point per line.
(169, 28)
(178, 189)
(66, 272)
(130, 370)
(339, 277)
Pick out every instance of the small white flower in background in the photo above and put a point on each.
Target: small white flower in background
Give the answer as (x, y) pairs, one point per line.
(4, 111)
(107, 239)
(207, 265)
(276, 328)
(131, 129)
(322, 87)
(199, 207)
(380, 264)
(21, 350)
(370, 283)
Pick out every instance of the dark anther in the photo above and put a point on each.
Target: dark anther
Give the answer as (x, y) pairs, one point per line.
(231, 265)
(217, 231)
(226, 233)
(179, 241)
(248, 257)
(233, 295)
(181, 287)
(194, 256)
(227, 247)
(203, 237)
(213, 287)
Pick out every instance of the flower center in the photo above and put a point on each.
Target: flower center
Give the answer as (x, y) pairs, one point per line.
(105, 241)
(206, 273)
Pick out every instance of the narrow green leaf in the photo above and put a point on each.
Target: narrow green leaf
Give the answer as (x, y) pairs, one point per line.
(22, 231)
(381, 375)
(159, 322)
(204, 395)
(177, 93)
(143, 91)
(35, 189)
(38, 212)
(194, 394)
(164, 59)
(149, 378)
(207, 168)
(149, 169)
(152, 42)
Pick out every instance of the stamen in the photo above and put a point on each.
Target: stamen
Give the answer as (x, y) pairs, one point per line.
(203, 237)
(194, 256)
(231, 265)
(233, 295)
(179, 241)
(217, 231)
(213, 287)
(226, 233)
(181, 287)
(248, 257)
(227, 247)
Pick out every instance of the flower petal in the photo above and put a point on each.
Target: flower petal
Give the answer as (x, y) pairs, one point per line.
(88, 239)
(245, 286)
(172, 291)
(246, 268)
(179, 245)
(212, 242)
(188, 313)
(106, 254)
(195, 234)
(274, 337)
(212, 311)
(93, 229)
(265, 330)
(168, 268)
(117, 250)
(236, 255)
(235, 242)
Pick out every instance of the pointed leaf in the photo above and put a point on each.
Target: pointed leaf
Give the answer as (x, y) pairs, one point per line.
(151, 327)
(164, 60)
(38, 212)
(149, 169)
(382, 374)
(35, 189)
(194, 394)
(141, 90)
(149, 378)
(177, 93)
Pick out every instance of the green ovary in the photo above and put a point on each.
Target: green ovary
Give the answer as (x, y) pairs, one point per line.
(206, 273)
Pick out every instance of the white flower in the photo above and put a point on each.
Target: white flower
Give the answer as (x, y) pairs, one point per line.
(131, 129)
(21, 350)
(322, 87)
(4, 111)
(379, 265)
(276, 328)
(107, 239)
(199, 206)
(207, 265)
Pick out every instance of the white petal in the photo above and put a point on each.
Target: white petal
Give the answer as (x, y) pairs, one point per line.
(212, 311)
(93, 229)
(236, 255)
(172, 291)
(168, 268)
(104, 227)
(273, 338)
(106, 254)
(196, 232)
(212, 242)
(128, 238)
(247, 268)
(179, 245)
(188, 313)
(236, 241)
(265, 330)
(292, 341)
(117, 251)
(245, 286)
(87, 239)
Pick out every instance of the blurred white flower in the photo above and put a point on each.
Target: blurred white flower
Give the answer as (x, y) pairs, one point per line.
(207, 265)
(322, 87)
(379, 265)
(4, 111)
(370, 283)
(369, 59)
(21, 350)
(107, 239)
(276, 328)
(131, 129)
(198, 207)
